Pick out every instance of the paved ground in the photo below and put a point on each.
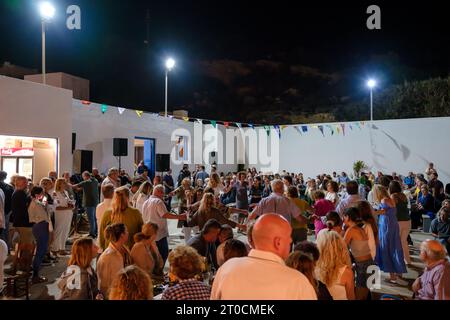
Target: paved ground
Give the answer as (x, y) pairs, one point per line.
(50, 290)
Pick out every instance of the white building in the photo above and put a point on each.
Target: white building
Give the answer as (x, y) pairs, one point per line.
(37, 123)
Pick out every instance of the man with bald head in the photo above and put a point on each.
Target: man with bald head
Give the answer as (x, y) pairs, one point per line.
(434, 283)
(263, 275)
(279, 204)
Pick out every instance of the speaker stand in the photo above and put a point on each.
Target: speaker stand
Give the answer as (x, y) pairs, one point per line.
(120, 163)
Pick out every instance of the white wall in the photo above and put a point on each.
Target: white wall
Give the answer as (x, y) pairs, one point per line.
(397, 146)
(36, 110)
(95, 131)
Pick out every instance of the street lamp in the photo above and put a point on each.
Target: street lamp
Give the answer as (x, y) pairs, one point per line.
(47, 11)
(371, 83)
(170, 63)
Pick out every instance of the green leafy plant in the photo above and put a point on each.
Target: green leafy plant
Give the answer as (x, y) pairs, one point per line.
(358, 166)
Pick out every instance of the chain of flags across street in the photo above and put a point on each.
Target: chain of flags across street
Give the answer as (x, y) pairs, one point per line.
(301, 129)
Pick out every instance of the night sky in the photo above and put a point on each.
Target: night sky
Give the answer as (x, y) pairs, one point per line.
(232, 57)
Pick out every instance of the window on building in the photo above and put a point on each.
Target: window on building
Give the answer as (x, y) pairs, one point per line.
(181, 145)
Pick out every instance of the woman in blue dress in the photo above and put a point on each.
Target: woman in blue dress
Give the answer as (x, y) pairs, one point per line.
(389, 257)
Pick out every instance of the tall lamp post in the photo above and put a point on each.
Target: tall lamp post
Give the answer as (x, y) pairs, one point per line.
(170, 63)
(47, 11)
(371, 83)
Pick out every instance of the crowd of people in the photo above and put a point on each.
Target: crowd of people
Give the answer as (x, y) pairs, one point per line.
(359, 225)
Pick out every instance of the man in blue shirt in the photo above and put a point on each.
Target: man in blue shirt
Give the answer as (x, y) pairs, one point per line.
(410, 180)
(343, 179)
(201, 175)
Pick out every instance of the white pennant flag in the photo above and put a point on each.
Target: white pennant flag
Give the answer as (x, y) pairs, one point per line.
(121, 110)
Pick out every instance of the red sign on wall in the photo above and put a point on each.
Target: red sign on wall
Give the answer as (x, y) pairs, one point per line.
(17, 152)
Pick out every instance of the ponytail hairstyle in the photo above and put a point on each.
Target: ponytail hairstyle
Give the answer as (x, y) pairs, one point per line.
(114, 231)
(333, 220)
(119, 204)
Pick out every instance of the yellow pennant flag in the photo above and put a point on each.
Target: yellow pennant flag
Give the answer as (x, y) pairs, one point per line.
(186, 119)
(139, 113)
(315, 127)
(283, 126)
(338, 129)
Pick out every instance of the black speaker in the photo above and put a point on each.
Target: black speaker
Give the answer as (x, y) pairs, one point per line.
(162, 162)
(120, 147)
(213, 154)
(74, 141)
(82, 161)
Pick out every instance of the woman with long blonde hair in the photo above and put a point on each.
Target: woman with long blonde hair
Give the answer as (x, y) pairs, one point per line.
(214, 185)
(334, 266)
(63, 217)
(208, 211)
(132, 283)
(84, 251)
(389, 255)
(121, 212)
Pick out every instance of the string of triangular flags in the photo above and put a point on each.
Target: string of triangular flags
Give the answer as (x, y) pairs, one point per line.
(301, 129)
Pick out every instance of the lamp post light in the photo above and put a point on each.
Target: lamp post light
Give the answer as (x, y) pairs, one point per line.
(371, 83)
(47, 11)
(170, 63)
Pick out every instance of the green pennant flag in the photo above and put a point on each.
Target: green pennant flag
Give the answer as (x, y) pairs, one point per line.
(267, 128)
(104, 108)
(213, 123)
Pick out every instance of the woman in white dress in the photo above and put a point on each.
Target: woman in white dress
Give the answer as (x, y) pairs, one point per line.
(63, 217)
(332, 192)
(143, 193)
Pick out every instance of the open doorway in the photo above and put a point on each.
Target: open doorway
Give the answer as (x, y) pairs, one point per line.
(144, 150)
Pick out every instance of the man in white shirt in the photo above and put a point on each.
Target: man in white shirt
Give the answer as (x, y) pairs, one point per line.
(351, 199)
(263, 275)
(112, 178)
(108, 193)
(155, 211)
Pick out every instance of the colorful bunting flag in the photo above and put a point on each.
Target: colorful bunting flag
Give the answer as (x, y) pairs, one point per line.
(338, 129)
(331, 129)
(121, 110)
(321, 130)
(277, 128)
(283, 127)
(298, 129)
(139, 113)
(350, 125)
(200, 121)
(226, 124)
(251, 126)
(358, 126)
(267, 128)
(343, 128)
(186, 119)
(85, 102)
(238, 125)
(305, 128)
(213, 123)
(104, 108)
